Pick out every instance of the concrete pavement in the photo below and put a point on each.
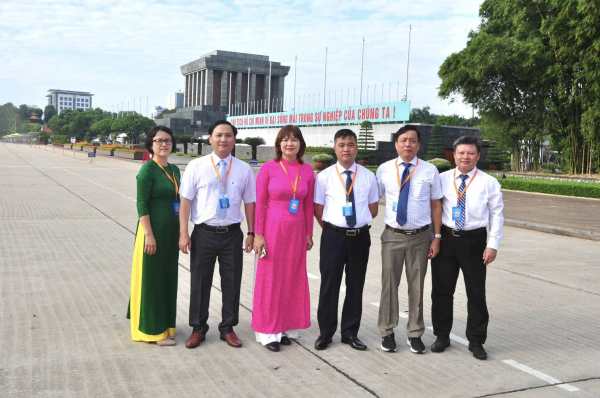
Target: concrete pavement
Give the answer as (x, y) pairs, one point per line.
(65, 253)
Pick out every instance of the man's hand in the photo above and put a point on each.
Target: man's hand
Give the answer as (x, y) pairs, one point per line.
(434, 248)
(249, 244)
(185, 243)
(489, 255)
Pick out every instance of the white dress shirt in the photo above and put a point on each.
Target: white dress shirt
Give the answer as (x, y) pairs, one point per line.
(330, 192)
(200, 184)
(483, 206)
(424, 187)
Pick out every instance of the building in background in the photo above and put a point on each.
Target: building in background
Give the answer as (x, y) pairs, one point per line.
(175, 100)
(155, 111)
(66, 99)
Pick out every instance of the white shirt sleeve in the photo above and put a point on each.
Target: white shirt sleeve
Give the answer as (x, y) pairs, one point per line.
(373, 190)
(250, 187)
(379, 177)
(320, 189)
(187, 188)
(495, 207)
(436, 186)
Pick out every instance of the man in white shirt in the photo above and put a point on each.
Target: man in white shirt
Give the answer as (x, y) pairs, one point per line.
(213, 188)
(412, 200)
(472, 201)
(346, 200)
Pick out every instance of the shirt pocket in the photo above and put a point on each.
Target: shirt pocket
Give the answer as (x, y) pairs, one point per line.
(422, 190)
(478, 204)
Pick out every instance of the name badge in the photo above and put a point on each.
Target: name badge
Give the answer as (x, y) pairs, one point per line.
(224, 201)
(294, 203)
(348, 212)
(456, 213)
(176, 207)
(395, 206)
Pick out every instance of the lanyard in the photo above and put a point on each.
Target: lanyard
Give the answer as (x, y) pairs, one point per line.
(348, 192)
(464, 190)
(173, 180)
(217, 171)
(294, 184)
(407, 178)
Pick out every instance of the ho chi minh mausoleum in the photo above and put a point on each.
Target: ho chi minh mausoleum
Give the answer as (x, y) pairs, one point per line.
(220, 79)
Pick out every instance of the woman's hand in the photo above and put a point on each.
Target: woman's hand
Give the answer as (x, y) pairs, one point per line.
(309, 242)
(259, 243)
(150, 245)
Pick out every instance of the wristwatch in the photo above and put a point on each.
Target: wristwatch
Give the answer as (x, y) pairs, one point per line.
(439, 236)
(250, 233)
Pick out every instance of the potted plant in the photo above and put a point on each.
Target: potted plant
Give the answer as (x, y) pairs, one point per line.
(254, 142)
(322, 161)
(496, 158)
(366, 143)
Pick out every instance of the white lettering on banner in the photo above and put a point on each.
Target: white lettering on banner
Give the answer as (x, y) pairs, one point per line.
(389, 112)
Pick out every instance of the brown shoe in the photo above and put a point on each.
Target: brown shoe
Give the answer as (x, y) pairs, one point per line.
(232, 339)
(195, 340)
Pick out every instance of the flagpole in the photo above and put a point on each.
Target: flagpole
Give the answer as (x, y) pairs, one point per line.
(407, 63)
(362, 62)
(325, 80)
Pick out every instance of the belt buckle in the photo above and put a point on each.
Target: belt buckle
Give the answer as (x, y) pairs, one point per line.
(456, 233)
(410, 232)
(221, 230)
(352, 232)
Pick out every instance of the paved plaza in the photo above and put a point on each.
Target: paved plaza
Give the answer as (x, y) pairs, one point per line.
(66, 242)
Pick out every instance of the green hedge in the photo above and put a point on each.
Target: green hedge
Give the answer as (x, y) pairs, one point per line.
(189, 155)
(567, 188)
(128, 150)
(59, 139)
(315, 150)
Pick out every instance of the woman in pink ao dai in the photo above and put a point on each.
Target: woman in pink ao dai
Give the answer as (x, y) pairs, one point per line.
(284, 227)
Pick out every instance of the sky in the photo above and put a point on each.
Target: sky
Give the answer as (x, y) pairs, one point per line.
(122, 51)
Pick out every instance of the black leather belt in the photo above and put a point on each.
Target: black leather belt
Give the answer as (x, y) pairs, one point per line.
(407, 231)
(461, 234)
(347, 231)
(221, 230)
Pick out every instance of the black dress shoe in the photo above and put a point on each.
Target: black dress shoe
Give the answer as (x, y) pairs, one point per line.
(477, 350)
(285, 340)
(354, 343)
(440, 344)
(322, 343)
(274, 346)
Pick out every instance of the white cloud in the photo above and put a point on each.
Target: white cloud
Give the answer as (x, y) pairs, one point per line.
(126, 50)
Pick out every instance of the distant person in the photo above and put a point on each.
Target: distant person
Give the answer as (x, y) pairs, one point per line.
(284, 229)
(472, 202)
(412, 200)
(346, 200)
(153, 297)
(212, 190)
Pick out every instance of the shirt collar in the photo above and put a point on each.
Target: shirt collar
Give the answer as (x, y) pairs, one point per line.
(218, 159)
(340, 167)
(470, 173)
(400, 161)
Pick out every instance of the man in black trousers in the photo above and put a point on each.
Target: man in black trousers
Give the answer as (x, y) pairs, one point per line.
(472, 202)
(346, 200)
(212, 189)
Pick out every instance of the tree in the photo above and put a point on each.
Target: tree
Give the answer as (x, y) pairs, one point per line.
(199, 141)
(254, 142)
(366, 142)
(49, 113)
(135, 127)
(185, 140)
(102, 129)
(435, 147)
(422, 115)
(38, 112)
(43, 137)
(89, 137)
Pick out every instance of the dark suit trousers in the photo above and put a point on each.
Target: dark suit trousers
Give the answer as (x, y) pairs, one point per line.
(207, 247)
(456, 254)
(337, 251)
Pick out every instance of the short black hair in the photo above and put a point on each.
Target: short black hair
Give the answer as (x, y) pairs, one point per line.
(152, 133)
(218, 122)
(467, 140)
(406, 128)
(343, 133)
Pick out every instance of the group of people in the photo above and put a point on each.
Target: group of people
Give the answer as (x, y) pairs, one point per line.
(443, 218)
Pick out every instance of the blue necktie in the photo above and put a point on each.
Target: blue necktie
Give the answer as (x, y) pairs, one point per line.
(222, 213)
(462, 202)
(350, 220)
(402, 210)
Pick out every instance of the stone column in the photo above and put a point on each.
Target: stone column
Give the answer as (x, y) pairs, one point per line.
(252, 83)
(238, 88)
(280, 87)
(185, 91)
(208, 87)
(193, 102)
(197, 101)
(224, 88)
(266, 91)
(201, 89)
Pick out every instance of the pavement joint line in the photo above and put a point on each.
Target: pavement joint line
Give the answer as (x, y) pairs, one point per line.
(536, 387)
(549, 379)
(553, 229)
(454, 337)
(347, 376)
